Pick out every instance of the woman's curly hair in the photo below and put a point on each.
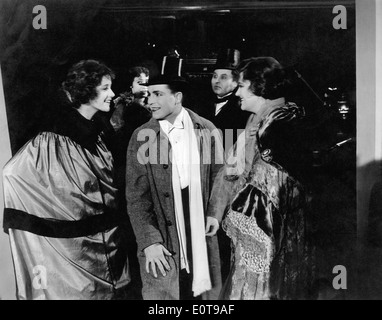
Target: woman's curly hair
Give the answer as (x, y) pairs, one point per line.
(267, 77)
(82, 80)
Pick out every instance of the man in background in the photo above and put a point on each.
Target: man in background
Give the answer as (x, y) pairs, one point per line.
(224, 111)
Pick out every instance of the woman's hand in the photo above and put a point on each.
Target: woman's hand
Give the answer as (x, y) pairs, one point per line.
(156, 258)
(212, 226)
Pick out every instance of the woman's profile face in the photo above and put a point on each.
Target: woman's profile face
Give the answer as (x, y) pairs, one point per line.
(104, 95)
(249, 101)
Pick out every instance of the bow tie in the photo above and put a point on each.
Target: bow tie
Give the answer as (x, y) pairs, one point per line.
(220, 100)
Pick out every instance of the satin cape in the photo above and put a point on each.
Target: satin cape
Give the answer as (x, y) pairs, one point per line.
(61, 215)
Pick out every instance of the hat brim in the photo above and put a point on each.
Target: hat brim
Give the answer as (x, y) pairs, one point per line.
(179, 82)
(225, 67)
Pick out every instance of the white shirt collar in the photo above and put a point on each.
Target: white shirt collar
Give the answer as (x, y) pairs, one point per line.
(167, 126)
(219, 106)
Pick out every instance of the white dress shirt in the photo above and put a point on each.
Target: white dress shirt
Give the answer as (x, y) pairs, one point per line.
(180, 146)
(220, 105)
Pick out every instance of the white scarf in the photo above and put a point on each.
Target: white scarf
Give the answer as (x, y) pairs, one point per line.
(201, 276)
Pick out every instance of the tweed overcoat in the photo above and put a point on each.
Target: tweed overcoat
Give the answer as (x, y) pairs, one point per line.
(149, 194)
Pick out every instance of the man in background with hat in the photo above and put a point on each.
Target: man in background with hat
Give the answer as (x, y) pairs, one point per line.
(225, 112)
(172, 161)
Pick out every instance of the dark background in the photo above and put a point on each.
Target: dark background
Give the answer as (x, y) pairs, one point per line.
(125, 33)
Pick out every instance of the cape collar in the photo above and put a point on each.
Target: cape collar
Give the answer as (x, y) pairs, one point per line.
(81, 130)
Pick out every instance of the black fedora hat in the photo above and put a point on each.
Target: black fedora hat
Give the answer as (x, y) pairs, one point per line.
(227, 59)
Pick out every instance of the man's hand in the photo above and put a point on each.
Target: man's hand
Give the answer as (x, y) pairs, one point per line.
(212, 226)
(155, 257)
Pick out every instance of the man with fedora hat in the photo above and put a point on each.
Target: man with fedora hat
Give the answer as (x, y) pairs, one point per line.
(224, 111)
(172, 161)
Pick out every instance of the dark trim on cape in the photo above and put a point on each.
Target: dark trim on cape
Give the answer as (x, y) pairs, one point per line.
(21, 220)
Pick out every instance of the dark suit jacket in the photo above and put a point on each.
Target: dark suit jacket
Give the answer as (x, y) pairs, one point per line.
(230, 117)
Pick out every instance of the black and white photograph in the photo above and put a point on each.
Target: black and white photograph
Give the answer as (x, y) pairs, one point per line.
(190, 150)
